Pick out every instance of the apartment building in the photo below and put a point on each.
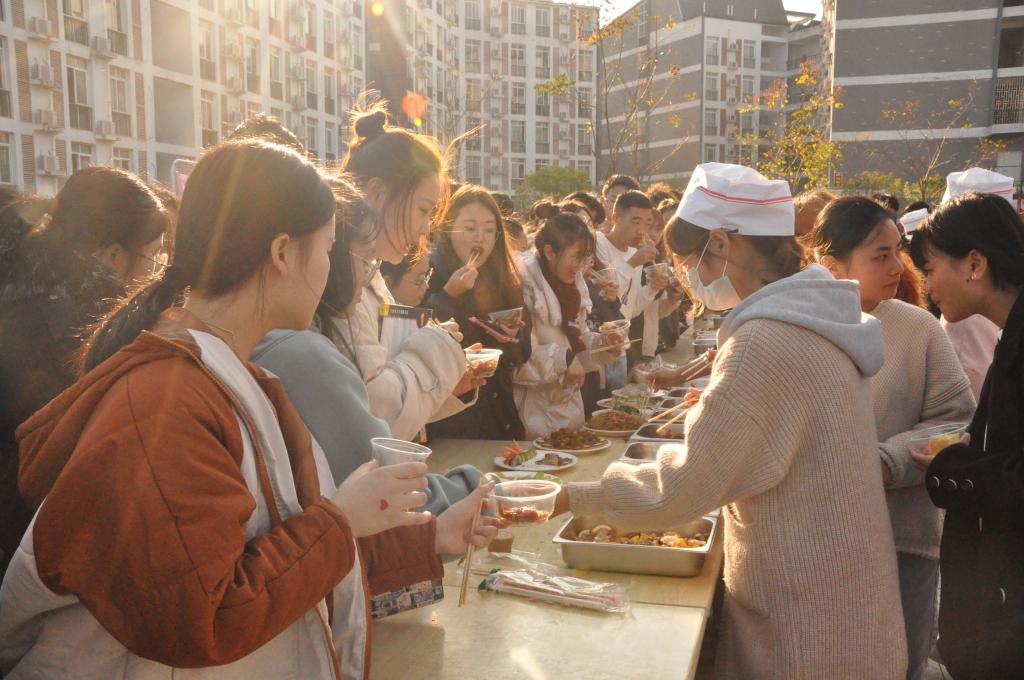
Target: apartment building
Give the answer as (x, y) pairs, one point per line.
(141, 83)
(700, 63)
(928, 53)
(460, 64)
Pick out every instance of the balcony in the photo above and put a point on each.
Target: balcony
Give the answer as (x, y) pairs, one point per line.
(210, 138)
(584, 150)
(312, 101)
(1009, 108)
(118, 42)
(122, 124)
(76, 30)
(80, 116)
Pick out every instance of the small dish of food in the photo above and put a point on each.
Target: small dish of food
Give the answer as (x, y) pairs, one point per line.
(572, 441)
(615, 332)
(532, 460)
(638, 391)
(483, 362)
(610, 423)
(507, 317)
(525, 501)
(657, 432)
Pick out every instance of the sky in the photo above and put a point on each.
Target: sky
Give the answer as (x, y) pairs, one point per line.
(795, 5)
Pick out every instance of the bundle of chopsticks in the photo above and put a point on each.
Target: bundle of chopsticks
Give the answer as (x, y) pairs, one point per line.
(689, 372)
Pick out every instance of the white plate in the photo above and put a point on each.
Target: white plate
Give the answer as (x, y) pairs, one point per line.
(615, 434)
(657, 394)
(597, 447)
(533, 466)
(522, 474)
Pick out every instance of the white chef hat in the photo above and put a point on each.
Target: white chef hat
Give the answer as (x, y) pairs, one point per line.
(980, 180)
(739, 198)
(913, 219)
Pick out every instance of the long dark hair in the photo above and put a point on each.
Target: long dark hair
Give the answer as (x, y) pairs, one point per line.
(500, 267)
(238, 199)
(561, 231)
(983, 222)
(398, 157)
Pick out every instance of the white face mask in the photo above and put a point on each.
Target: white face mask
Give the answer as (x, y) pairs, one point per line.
(719, 295)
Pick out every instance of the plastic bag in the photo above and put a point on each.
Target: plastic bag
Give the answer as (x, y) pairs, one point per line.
(541, 582)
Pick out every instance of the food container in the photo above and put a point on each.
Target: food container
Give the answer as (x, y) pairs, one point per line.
(703, 341)
(614, 431)
(615, 332)
(525, 501)
(507, 317)
(387, 451)
(933, 439)
(661, 268)
(604, 276)
(484, 362)
(677, 393)
(641, 452)
(636, 559)
(673, 434)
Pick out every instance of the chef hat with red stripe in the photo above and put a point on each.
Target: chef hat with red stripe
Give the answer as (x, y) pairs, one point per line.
(980, 180)
(738, 198)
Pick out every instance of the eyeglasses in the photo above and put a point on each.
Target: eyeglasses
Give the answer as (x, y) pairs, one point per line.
(422, 281)
(370, 267)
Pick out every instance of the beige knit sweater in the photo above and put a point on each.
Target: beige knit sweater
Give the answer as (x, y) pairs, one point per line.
(784, 437)
(921, 384)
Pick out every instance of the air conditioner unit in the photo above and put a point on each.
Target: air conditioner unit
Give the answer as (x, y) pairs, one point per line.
(101, 47)
(234, 117)
(233, 16)
(46, 164)
(731, 118)
(41, 73)
(563, 152)
(45, 119)
(235, 84)
(732, 65)
(40, 28)
(731, 101)
(734, 81)
(299, 102)
(564, 35)
(104, 129)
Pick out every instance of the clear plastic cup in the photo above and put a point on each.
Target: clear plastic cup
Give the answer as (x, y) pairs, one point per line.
(387, 451)
(484, 362)
(615, 332)
(526, 501)
(661, 268)
(933, 439)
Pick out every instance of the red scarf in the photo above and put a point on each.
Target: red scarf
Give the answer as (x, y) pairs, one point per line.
(569, 300)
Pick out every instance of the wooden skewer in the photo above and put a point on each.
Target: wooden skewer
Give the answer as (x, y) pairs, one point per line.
(469, 556)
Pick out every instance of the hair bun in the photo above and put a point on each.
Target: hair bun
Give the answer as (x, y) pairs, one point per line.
(370, 124)
(545, 210)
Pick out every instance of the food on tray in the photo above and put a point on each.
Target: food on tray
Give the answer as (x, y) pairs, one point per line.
(602, 533)
(571, 440)
(524, 515)
(615, 421)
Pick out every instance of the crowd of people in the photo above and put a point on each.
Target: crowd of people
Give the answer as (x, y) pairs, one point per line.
(191, 386)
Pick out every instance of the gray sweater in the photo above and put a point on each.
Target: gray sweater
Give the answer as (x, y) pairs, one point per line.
(330, 395)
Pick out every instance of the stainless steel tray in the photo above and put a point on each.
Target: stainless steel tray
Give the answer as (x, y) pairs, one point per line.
(636, 559)
(641, 452)
(649, 433)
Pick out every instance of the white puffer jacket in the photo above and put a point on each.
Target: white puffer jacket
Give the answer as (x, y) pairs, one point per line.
(544, 403)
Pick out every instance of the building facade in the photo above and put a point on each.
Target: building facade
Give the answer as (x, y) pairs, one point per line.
(140, 83)
(458, 65)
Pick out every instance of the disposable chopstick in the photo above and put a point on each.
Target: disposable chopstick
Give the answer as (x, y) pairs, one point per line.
(606, 347)
(469, 556)
(671, 409)
(674, 418)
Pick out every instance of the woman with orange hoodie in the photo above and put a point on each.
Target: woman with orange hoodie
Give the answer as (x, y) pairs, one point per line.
(185, 522)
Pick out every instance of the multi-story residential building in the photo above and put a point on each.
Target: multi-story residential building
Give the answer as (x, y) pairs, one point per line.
(679, 79)
(949, 69)
(462, 64)
(141, 83)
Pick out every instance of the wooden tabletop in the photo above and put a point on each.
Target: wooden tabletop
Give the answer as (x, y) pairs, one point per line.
(498, 637)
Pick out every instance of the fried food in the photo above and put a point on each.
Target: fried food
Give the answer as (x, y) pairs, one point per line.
(602, 533)
(570, 440)
(524, 515)
(615, 421)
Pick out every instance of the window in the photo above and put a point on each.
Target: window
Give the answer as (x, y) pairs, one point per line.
(544, 62)
(583, 145)
(543, 138)
(586, 66)
(518, 107)
(122, 158)
(518, 141)
(583, 103)
(3, 12)
(473, 174)
(312, 138)
(710, 153)
(357, 48)
(749, 54)
(643, 29)
(747, 123)
(518, 172)
(517, 58)
(473, 56)
(208, 118)
(117, 25)
(81, 156)
(311, 98)
(711, 87)
(276, 76)
(75, 27)
(541, 163)
(310, 19)
(330, 35)
(330, 91)
(747, 88)
(473, 98)
(473, 143)
(711, 123)
(78, 94)
(330, 143)
(543, 17)
(207, 63)
(120, 108)
(543, 104)
(275, 10)
(5, 83)
(712, 51)
(587, 168)
(518, 20)
(472, 15)
(252, 65)
(6, 162)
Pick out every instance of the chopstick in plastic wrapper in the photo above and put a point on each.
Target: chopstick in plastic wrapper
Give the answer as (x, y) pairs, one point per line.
(535, 584)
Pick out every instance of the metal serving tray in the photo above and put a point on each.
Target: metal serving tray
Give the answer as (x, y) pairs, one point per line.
(636, 559)
(641, 452)
(649, 433)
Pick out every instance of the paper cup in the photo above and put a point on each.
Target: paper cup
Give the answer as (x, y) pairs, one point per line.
(387, 451)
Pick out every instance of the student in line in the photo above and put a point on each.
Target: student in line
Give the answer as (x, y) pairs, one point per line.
(920, 385)
(407, 280)
(403, 176)
(103, 236)
(185, 519)
(613, 187)
(476, 273)
(971, 250)
(784, 438)
(323, 384)
(547, 387)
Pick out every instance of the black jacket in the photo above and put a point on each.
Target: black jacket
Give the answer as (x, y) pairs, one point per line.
(981, 487)
(44, 310)
(494, 415)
